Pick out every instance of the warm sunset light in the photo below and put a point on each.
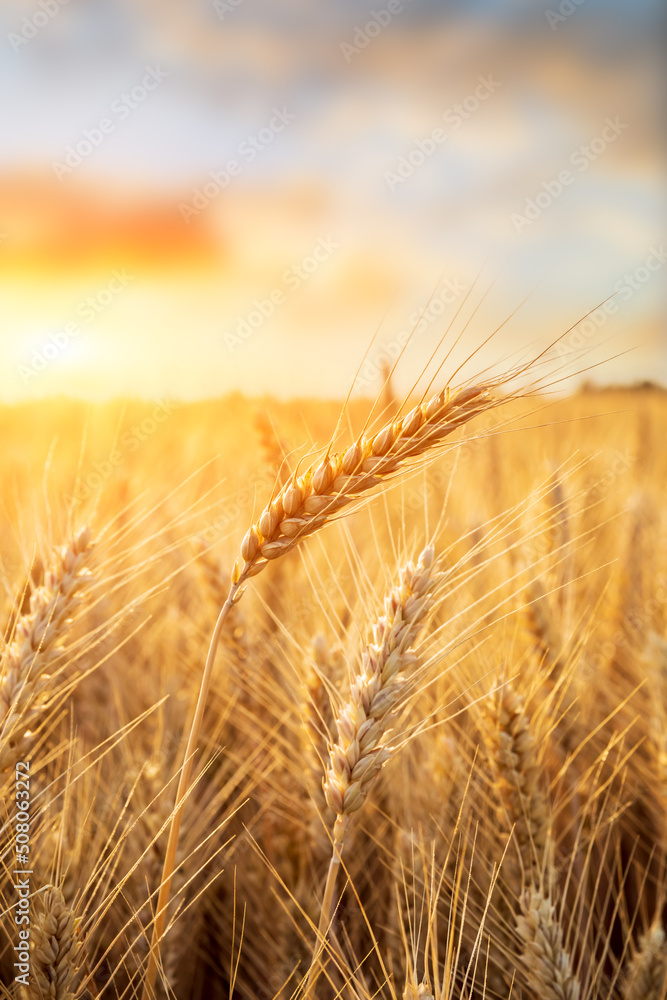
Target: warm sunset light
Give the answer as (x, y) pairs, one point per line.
(333, 562)
(411, 159)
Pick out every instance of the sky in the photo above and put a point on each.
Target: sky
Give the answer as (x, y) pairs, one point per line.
(216, 196)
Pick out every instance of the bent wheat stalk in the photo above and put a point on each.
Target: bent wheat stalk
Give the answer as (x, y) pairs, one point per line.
(300, 508)
(307, 502)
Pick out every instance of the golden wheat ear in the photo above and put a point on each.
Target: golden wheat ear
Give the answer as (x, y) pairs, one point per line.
(309, 501)
(362, 749)
(37, 642)
(545, 961)
(414, 991)
(304, 505)
(519, 781)
(55, 949)
(646, 977)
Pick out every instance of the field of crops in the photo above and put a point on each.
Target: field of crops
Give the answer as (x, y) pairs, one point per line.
(432, 760)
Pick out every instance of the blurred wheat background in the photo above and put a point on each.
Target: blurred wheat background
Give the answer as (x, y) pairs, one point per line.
(544, 655)
(233, 235)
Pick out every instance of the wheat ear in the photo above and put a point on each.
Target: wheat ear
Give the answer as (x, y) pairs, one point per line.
(545, 961)
(302, 506)
(363, 723)
(417, 992)
(36, 643)
(55, 948)
(647, 974)
(307, 502)
(518, 776)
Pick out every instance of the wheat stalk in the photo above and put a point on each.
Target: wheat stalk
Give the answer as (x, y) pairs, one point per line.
(300, 508)
(545, 961)
(518, 776)
(55, 947)
(35, 645)
(360, 752)
(364, 720)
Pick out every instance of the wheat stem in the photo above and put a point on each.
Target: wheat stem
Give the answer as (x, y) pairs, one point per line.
(183, 786)
(363, 723)
(302, 506)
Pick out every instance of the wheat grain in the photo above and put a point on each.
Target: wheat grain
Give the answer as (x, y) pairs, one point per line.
(417, 992)
(300, 508)
(360, 752)
(307, 502)
(545, 961)
(55, 948)
(518, 775)
(244, 936)
(363, 723)
(36, 644)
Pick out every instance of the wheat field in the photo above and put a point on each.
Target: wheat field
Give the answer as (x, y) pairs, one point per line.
(432, 760)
